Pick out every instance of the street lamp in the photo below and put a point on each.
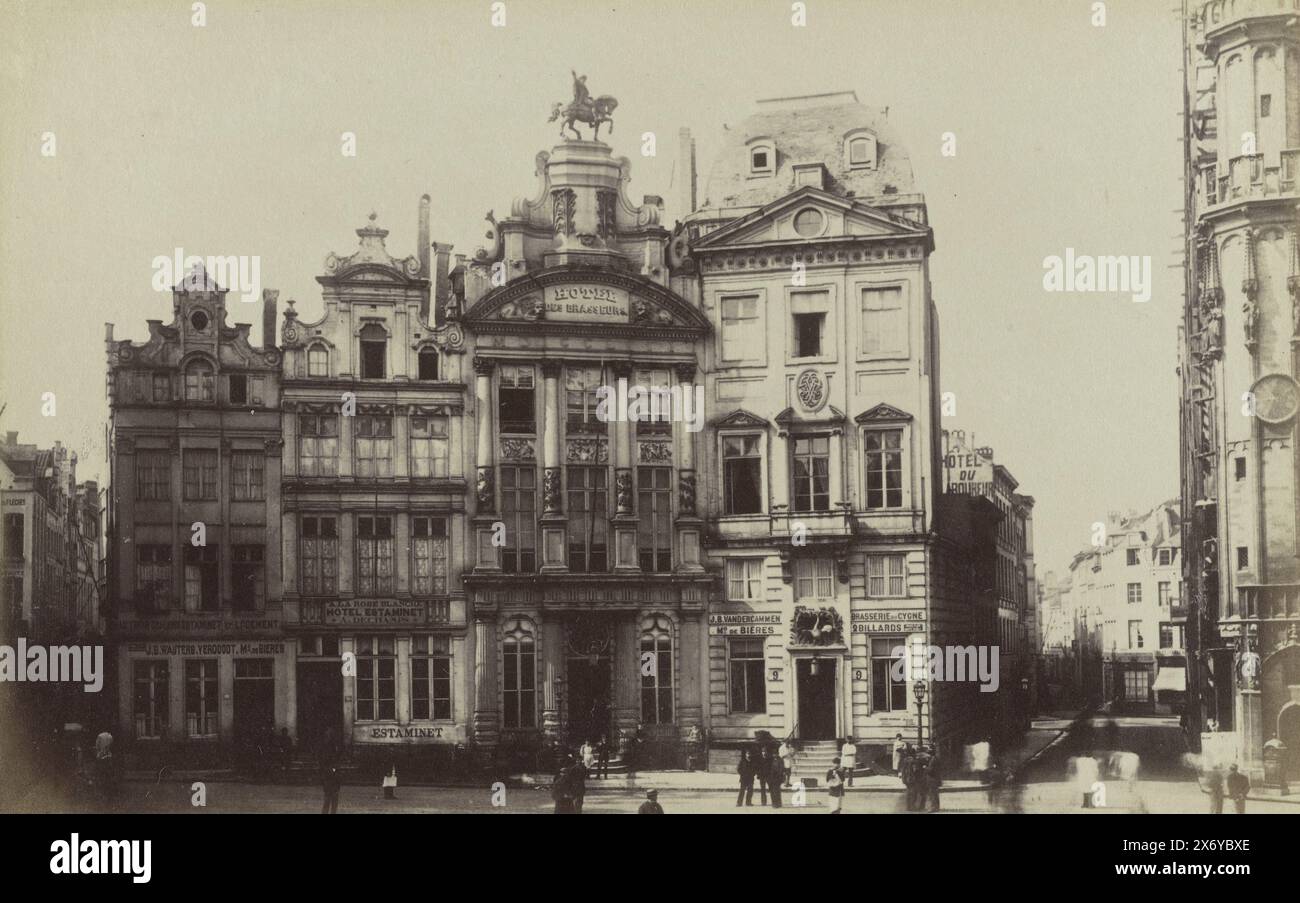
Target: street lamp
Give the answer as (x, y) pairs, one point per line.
(918, 692)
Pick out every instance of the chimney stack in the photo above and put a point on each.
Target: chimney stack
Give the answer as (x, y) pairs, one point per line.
(11, 437)
(270, 298)
(424, 236)
(441, 284)
(686, 162)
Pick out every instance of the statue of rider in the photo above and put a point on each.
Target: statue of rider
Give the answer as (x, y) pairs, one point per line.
(581, 95)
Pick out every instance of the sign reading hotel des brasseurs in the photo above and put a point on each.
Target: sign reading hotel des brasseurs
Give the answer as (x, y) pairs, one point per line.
(599, 303)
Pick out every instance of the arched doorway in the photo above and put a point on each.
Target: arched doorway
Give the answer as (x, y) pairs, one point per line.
(1288, 731)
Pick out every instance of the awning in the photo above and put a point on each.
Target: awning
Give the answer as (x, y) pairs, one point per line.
(1174, 679)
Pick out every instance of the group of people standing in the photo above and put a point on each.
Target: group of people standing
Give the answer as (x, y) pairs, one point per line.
(765, 768)
(1236, 786)
(922, 774)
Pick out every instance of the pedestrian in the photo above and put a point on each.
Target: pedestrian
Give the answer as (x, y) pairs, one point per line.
(588, 755)
(920, 778)
(899, 746)
(762, 772)
(786, 753)
(651, 805)
(1238, 785)
(331, 782)
(835, 786)
(746, 771)
(602, 757)
(776, 774)
(907, 774)
(933, 780)
(105, 766)
(1085, 772)
(285, 749)
(389, 783)
(578, 785)
(849, 755)
(1214, 781)
(562, 792)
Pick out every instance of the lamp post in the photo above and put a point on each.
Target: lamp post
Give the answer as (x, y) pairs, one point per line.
(918, 692)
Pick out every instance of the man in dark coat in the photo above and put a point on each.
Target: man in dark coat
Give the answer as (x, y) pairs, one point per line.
(907, 773)
(562, 790)
(775, 774)
(330, 778)
(933, 780)
(1238, 786)
(746, 771)
(762, 772)
(651, 805)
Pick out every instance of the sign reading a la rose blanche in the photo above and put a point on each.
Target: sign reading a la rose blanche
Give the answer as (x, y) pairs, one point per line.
(891, 620)
(587, 303)
(376, 612)
(744, 624)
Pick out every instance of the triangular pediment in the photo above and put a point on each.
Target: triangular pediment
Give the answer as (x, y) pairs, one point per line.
(810, 214)
(740, 418)
(882, 412)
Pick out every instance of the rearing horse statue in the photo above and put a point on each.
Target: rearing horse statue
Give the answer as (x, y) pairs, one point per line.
(593, 113)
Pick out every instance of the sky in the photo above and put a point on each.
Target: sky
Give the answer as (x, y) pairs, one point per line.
(226, 138)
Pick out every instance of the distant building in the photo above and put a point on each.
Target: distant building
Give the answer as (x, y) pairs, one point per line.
(1126, 597)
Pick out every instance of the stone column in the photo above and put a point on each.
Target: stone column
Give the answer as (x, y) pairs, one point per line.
(627, 673)
(552, 519)
(552, 668)
(486, 556)
(624, 520)
(692, 692)
(689, 526)
(485, 725)
(780, 461)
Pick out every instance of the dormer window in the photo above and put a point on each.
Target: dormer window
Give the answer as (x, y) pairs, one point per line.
(374, 349)
(428, 363)
(762, 159)
(318, 361)
(860, 150)
(198, 381)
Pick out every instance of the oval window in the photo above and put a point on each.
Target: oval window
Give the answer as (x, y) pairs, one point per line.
(199, 320)
(809, 222)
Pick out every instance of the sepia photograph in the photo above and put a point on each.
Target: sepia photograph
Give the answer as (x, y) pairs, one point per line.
(863, 407)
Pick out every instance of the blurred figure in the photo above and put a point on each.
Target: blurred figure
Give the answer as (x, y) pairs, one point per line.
(1214, 783)
(763, 772)
(835, 786)
(786, 753)
(651, 805)
(1238, 786)
(602, 758)
(776, 774)
(1085, 777)
(849, 756)
(933, 780)
(899, 746)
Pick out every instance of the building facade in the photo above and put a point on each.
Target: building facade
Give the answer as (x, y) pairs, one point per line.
(194, 536)
(373, 504)
(587, 588)
(1238, 365)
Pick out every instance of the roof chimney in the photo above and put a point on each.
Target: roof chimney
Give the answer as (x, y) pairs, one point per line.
(424, 236)
(270, 297)
(11, 437)
(686, 161)
(441, 284)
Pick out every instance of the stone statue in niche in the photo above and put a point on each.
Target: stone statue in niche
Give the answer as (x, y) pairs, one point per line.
(1251, 325)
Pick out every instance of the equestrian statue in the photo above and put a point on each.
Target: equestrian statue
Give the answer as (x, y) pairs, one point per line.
(584, 109)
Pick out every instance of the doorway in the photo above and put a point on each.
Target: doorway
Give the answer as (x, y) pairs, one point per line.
(1288, 731)
(815, 689)
(254, 699)
(320, 703)
(588, 679)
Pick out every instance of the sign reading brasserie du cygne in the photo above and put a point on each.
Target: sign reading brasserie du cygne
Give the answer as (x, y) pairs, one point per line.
(893, 620)
(599, 303)
(745, 624)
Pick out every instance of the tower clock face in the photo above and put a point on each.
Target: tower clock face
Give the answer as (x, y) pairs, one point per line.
(1277, 398)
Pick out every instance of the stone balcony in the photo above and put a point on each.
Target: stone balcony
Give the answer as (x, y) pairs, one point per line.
(1248, 178)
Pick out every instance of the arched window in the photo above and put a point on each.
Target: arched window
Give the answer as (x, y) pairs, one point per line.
(657, 659)
(519, 660)
(318, 361)
(762, 158)
(860, 150)
(374, 349)
(428, 363)
(198, 381)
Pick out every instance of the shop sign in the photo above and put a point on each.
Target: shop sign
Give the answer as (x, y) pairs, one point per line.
(894, 620)
(376, 612)
(746, 624)
(588, 303)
